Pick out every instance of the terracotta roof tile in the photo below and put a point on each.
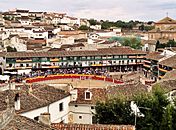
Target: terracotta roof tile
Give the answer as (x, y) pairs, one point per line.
(168, 84)
(91, 127)
(97, 94)
(99, 52)
(40, 96)
(23, 123)
(166, 20)
(101, 94)
(154, 56)
(170, 62)
(127, 90)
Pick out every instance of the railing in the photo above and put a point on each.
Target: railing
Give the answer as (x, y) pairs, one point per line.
(163, 70)
(148, 66)
(23, 61)
(72, 76)
(54, 60)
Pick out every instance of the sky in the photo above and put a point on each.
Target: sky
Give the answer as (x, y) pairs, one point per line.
(113, 10)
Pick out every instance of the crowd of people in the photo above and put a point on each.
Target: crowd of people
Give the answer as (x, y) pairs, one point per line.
(36, 73)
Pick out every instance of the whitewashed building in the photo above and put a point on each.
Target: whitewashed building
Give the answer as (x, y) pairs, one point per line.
(38, 99)
(82, 105)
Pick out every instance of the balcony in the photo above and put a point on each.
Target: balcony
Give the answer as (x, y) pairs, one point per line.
(54, 60)
(52, 67)
(163, 70)
(23, 61)
(148, 66)
(146, 61)
(96, 65)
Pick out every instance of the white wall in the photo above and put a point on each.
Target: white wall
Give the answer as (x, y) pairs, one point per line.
(106, 34)
(56, 115)
(83, 110)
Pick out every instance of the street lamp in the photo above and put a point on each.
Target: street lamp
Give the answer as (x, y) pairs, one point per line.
(141, 115)
(136, 111)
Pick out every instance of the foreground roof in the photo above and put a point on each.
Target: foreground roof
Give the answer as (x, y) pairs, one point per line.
(38, 96)
(129, 90)
(102, 94)
(23, 123)
(91, 127)
(97, 94)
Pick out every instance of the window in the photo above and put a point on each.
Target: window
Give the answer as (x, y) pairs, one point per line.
(80, 117)
(88, 57)
(36, 118)
(61, 107)
(21, 65)
(76, 105)
(27, 65)
(92, 107)
(88, 95)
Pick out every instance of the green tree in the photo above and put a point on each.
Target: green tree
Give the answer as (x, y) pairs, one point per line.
(132, 42)
(83, 27)
(11, 49)
(114, 111)
(159, 113)
(93, 22)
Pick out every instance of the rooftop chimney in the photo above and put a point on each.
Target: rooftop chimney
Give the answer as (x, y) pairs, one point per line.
(44, 118)
(74, 94)
(17, 101)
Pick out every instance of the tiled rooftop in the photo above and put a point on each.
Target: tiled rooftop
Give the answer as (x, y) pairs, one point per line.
(40, 96)
(22, 123)
(101, 94)
(154, 56)
(99, 52)
(166, 20)
(92, 127)
(170, 62)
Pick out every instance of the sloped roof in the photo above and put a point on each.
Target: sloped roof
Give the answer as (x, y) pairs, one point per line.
(99, 52)
(168, 84)
(166, 20)
(170, 62)
(154, 56)
(40, 96)
(101, 94)
(170, 75)
(128, 90)
(97, 94)
(23, 123)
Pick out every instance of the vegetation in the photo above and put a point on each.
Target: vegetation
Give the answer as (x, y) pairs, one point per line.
(11, 49)
(133, 42)
(146, 28)
(121, 24)
(83, 27)
(93, 22)
(170, 43)
(159, 112)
